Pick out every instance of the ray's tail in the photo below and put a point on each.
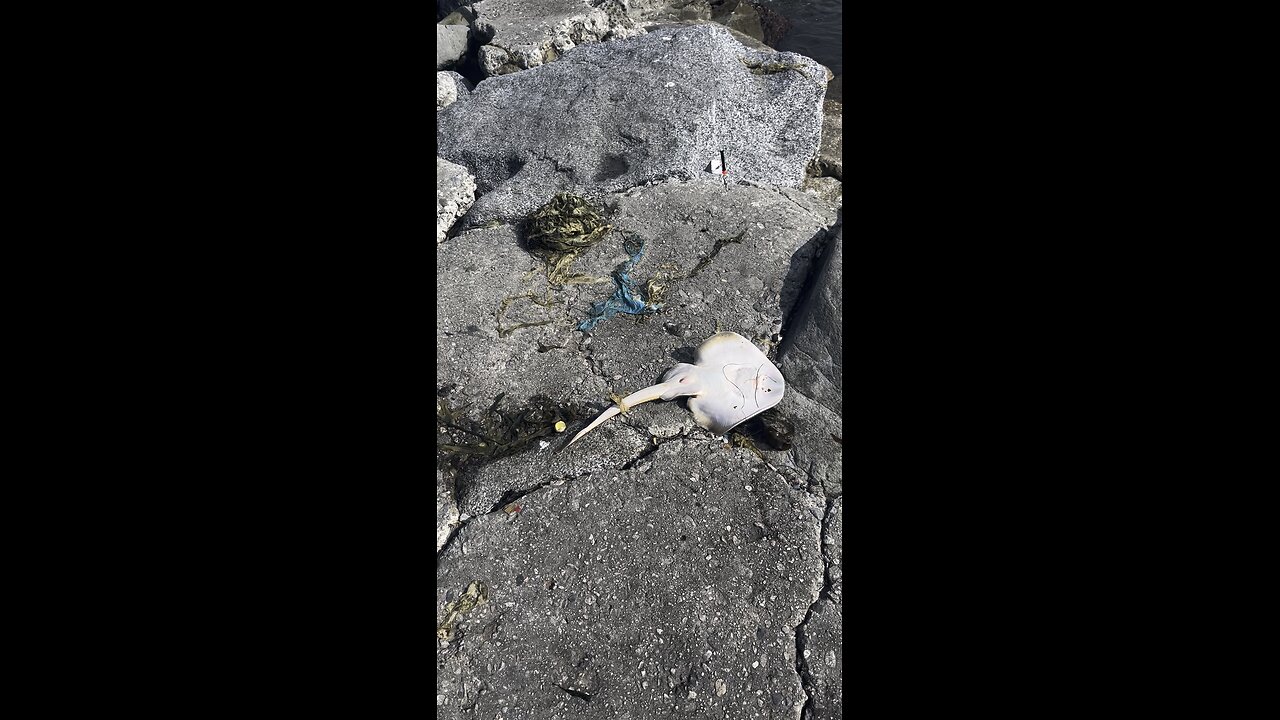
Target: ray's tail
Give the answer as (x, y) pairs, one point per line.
(653, 392)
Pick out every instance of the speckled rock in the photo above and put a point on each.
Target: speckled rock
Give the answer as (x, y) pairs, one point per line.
(605, 119)
(455, 191)
(670, 592)
(831, 153)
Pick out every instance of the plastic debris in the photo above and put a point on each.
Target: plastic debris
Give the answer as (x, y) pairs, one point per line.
(625, 298)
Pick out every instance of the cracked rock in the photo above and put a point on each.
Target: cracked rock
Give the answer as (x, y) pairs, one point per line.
(605, 119)
(671, 593)
(811, 357)
(821, 633)
(732, 259)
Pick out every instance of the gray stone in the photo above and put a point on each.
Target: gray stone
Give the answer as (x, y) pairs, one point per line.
(746, 40)
(449, 87)
(772, 24)
(832, 544)
(477, 349)
(455, 191)
(451, 45)
(657, 11)
(607, 118)
(445, 8)
(729, 259)
(523, 34)
(810, 356)
(817, 441)
(827, 188)
(461, 16)
(830, 154)
(742, 17)
(820, 635)
(447, 516)
(746, 286)
(674, 592)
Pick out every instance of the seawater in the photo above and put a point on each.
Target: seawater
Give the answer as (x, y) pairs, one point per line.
(815, 32)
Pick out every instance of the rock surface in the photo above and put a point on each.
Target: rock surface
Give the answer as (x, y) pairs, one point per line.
(670, 592)
(734, 258)
(447, 516)
(451, 44)
(605, 118)
(652, 570)
(811, 353)
(455, 191)
(523, 34)
(449, 87)
(830, 154)
(820, 635)
(742, 17)
(827, 188)
(810, 359)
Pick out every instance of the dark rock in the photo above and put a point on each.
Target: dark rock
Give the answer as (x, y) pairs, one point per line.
(633, 594)
(772, 24)
(810, 356)
(740, 16)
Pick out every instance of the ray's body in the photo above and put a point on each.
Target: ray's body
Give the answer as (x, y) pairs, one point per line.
(730, 381)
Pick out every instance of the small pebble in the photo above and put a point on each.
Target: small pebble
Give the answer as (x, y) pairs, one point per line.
(670, 84)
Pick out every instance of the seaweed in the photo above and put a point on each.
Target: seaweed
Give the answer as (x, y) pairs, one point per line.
(758, 67)
(463, 442)
(560, 231)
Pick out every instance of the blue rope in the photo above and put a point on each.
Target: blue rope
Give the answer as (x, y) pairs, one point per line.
(625, 299)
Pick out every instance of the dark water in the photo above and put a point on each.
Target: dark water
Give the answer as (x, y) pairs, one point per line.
(815, 32)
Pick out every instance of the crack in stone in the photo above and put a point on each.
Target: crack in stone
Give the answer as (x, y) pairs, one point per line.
(802, 663)
(507, 498)
(655, 442)
(816, 265)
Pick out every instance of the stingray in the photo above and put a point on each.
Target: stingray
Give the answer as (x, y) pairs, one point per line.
(730, 381)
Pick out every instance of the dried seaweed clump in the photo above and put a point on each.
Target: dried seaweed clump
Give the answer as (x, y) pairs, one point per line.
(462, 440)
(476, 594)
(560, 231)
